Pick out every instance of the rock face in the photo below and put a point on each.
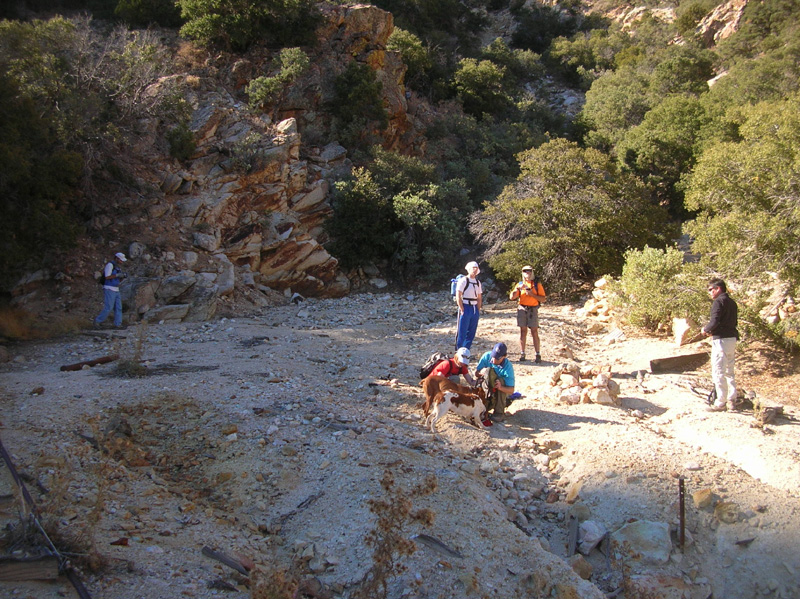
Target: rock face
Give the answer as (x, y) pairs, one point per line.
(247, 210)
(722, 22)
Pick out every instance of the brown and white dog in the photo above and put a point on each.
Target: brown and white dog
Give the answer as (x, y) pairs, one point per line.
(468, 405)
(432, 385)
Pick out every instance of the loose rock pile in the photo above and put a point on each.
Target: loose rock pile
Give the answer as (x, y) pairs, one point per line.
(590, 384)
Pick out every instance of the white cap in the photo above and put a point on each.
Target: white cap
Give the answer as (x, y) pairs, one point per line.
(121, 257)
(462, 355)
(471, 265)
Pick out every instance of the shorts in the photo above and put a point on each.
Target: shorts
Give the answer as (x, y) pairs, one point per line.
(528, 317)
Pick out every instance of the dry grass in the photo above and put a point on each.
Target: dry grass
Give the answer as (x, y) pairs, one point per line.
(388, 539)
(18, 325)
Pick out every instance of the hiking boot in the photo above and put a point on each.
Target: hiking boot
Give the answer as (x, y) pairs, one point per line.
(715, 408)
(522, 357)
(731, 407)
(538, 359)
(497, 417)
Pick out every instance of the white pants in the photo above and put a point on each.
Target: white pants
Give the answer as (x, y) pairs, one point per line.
(722, 355)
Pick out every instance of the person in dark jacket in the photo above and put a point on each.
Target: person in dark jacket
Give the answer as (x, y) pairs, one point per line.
(721, 328)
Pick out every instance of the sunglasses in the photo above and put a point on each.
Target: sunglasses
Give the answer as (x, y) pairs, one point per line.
(526, 270)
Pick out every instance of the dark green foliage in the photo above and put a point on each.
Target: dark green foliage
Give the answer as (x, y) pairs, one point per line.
(181, 142)
(539, 24)
(571, 214)
(293, 63)
(690, 14)
(746, 194)
(765, 26)
(681, 70)
(415, 56)
(398, 212)
(581, 59)
(141, 13)
(664, 147)
(771, 76)
(238, 24)
(357, 106)
(447, 24)
(479, 87)
(38, 184)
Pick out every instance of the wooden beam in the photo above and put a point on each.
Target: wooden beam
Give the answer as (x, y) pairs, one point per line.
(679, 363)
(95, 362)
(29, 568)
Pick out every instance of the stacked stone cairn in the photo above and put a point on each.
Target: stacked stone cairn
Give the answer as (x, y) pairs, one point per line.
(598, 307)
(591, 384)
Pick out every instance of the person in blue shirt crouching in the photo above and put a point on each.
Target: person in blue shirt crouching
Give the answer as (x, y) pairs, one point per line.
(498, 372)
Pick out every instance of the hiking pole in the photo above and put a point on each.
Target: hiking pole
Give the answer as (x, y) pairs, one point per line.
(682, 513)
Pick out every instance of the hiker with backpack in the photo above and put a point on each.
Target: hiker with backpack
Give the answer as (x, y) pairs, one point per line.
(112, 301)
(454, 367)
(469, 297)
(530, 293)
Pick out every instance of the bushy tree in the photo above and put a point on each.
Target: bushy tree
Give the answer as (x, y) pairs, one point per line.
(665, 146)
(398, 212)
(357, 106)
(479, 87)
(539, 24)
(38, 186)
(680, 70)
(415, 56)
(571, 214)
(587, 55)
(616, 102)
(746, 194)
(238, 24)
(771, 76)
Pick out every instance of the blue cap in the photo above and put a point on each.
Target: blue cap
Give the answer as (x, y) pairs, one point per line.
(499, 351)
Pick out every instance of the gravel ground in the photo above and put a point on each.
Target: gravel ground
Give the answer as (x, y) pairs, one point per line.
(267, 438)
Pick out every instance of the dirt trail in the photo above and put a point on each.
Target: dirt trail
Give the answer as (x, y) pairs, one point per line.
(266, 436)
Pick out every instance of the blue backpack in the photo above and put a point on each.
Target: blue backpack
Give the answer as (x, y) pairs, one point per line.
(454, 285)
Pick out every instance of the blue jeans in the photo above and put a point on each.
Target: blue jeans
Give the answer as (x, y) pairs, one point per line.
(111, 301)
(467, 326)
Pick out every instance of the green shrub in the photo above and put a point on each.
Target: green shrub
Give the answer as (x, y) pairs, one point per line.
(238, 24)
(654, 288)
(415, 56)
(293, 62)
(357, 106)
(479, 86)
(181, 142)
(398, 212)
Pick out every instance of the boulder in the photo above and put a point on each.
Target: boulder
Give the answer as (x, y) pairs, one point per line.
(643, 542)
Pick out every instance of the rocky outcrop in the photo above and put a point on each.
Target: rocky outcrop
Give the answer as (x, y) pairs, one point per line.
(247, 210)
(722, 22)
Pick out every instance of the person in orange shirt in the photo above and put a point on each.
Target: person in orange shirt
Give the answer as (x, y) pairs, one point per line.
(530, 293)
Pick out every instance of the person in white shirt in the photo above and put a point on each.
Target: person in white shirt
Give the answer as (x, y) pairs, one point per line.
(112, 301)
(469, 297)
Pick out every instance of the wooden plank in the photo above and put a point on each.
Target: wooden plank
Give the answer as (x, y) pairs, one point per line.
(32, 568)
(572, 536)
(95, 362)
(679, 363)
